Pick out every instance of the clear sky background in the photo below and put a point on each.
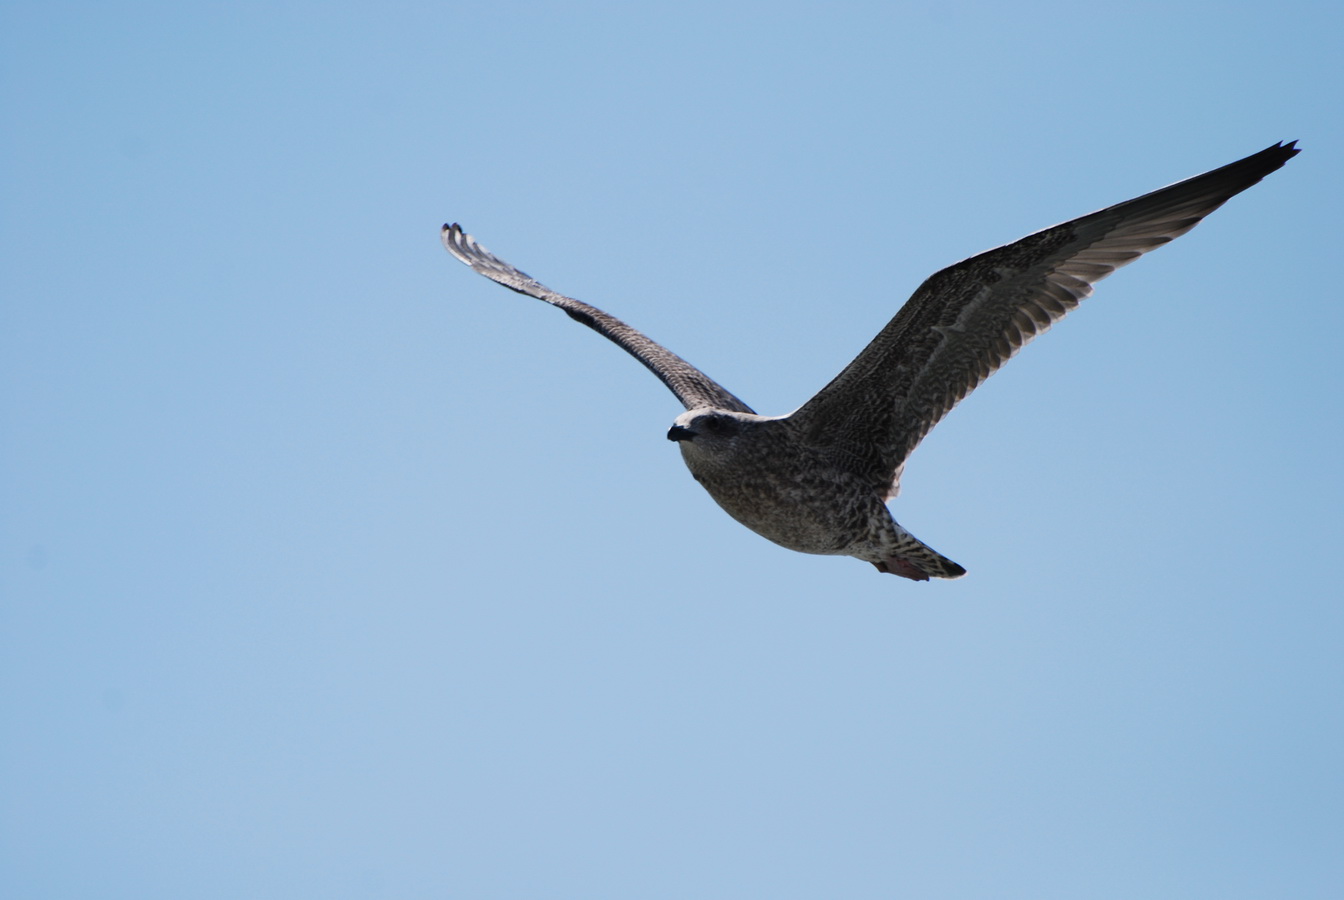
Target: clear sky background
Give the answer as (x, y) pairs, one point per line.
(329, 569)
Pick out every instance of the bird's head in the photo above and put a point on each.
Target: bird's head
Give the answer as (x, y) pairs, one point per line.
(714, 432)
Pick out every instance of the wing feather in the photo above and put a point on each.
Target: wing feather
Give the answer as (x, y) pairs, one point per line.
(969, 319)
(693, 388)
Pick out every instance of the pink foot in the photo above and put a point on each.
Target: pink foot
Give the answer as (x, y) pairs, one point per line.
(902, 567)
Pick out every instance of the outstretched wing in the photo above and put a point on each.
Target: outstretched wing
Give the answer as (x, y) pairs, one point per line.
(970, 318)
(693, 388)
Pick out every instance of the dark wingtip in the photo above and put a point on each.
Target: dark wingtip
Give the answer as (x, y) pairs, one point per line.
(453, 237)
(1278, 154)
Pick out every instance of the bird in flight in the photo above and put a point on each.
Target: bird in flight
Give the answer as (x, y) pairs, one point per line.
(818, 480)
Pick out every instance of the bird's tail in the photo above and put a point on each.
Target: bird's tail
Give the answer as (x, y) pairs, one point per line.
(916, 560)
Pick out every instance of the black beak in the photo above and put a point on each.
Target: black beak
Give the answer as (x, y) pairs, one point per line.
(680, 433)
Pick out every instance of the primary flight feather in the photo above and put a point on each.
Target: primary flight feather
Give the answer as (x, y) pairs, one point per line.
(817, 480)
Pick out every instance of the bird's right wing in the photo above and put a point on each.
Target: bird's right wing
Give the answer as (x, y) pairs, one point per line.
(693, 388)
(970, 318)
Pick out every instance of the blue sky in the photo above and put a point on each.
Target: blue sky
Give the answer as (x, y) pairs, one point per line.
(329, 569)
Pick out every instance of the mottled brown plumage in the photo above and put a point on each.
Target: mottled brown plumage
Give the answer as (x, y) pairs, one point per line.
(817, 481)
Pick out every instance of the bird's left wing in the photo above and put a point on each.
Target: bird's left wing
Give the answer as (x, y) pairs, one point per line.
(693, 388)
(970, 318)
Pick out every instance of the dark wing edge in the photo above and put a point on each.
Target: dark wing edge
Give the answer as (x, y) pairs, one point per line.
(693, 388)
(967, 320)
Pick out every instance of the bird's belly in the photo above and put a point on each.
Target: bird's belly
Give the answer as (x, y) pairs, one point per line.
(811, 513)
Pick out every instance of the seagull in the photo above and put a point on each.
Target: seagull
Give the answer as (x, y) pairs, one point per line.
(818, 480)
